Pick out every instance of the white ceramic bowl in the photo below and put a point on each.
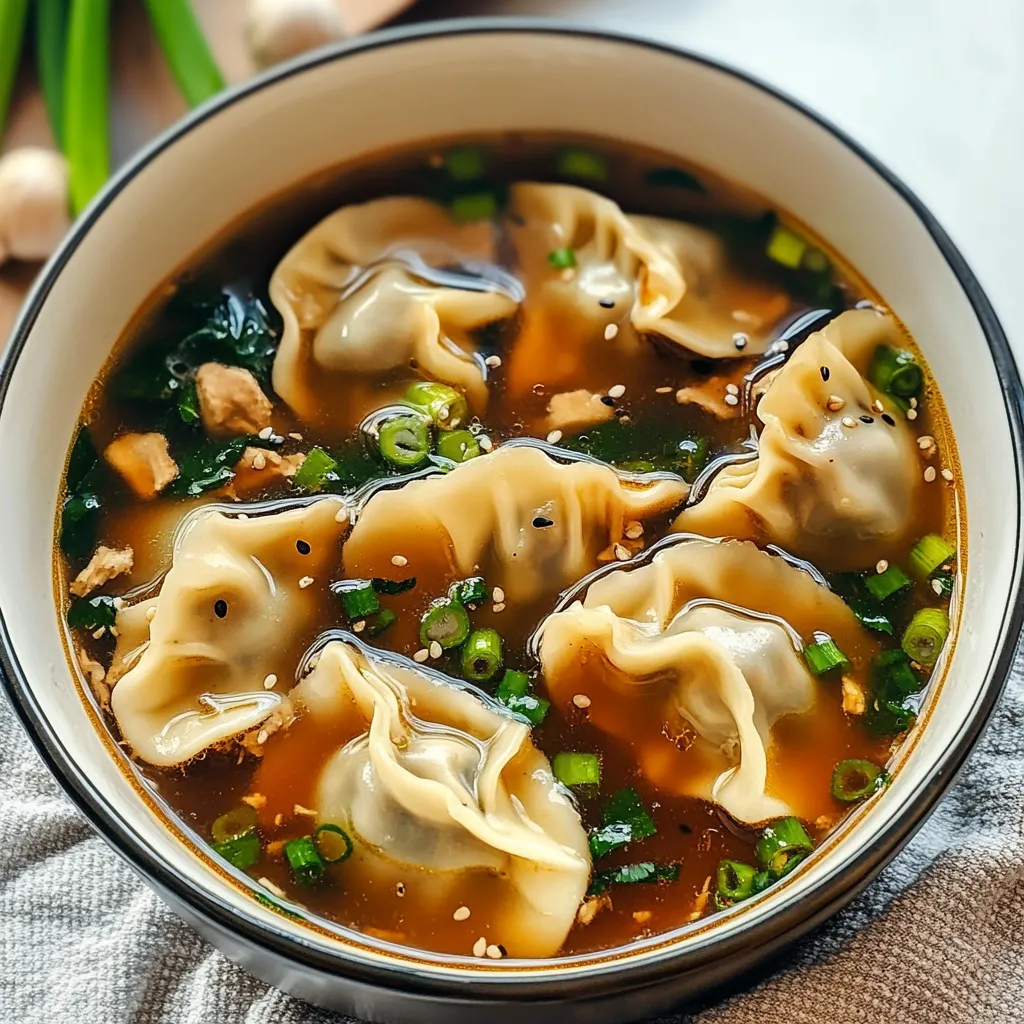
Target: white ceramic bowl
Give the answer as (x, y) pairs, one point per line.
(446, 80)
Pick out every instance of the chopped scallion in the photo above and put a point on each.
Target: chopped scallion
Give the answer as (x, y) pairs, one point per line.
(926, 634)
(241, 851)
(581, 163)
(895, 371)
(304, 859)
(393, 587)
(481, 655)
(735, 881)
(457, 445)
(562, 259)
(783, 844)
(377, 623)
(855, 778)
(333, 843)
(445, 623)
(928, 554)
(358, 598)
(786, 247)
(574, 769)
(883, 585)
(405, 441)
(470, 591)
(624, 820)
(315, 470)
(475, 206)
(465, 164)
(824, 655)
(444, 406)
(234, 823)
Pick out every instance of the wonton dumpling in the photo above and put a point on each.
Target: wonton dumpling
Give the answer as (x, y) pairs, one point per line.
(816, 479)
(693, 681)
(529, 523)
(448, 796)
(664, 277)
(355, 309)
(194, 678)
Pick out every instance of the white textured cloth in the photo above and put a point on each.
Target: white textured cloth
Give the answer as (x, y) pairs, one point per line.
(937, 939)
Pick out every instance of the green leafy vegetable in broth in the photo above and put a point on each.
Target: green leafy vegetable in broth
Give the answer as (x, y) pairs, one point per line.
(633, 874)
(643, 447)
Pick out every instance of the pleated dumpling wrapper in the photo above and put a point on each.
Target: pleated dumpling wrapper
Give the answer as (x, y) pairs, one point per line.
(833, 473)
(368, 292)
(191, 664)
(693, 658)
(447, 798)
(636, 275)
(528, 521)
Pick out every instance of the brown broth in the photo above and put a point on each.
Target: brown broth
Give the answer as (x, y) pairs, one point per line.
(691, 832)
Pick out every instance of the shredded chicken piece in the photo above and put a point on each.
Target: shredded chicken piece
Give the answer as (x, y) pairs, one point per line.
(592, 906)
(255, 800)
(280, 718)
(231, 401)
(700, 904)
(642, 916)
(572, 410)
(258, 469)
(97, 676)
(709, 397)
(144, 460)
(105, 564)
(854, 702)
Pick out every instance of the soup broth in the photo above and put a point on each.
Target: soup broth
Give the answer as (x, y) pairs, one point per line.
(523, 387)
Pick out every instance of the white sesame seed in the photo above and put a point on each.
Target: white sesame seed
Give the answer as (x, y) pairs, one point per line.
(610, 331)
(581, 700)
(485, 442)
(834, 403)
(634, 529)
(947, 474)
(305, 582)
(925, 441)
(151, 613)
(295, 436)
(242, 516)
(781, 346)
(937, 587)
(849, 421)
(497, 595)
(359, 626)
(881, 566)
(499, 607)
(568, 274)
(877, 406)
(662, 391)
(554, 437)
(399, 560)
(266, 432)
(262, 736)
(616, 390)
(435, 650)
(911, 414)
(421, 655)
(462, 914)
(114, 631)
(99, 632)
(259, 461)
(929, 474)
(480, 946)
(494, 953)
(341, 515)
(493, 361)
(731, 389)
(622, 553)
(270, 682)
(731, 400)
(913, 403)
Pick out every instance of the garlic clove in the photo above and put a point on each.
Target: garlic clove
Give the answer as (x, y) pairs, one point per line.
(276, 30)
(33, 203)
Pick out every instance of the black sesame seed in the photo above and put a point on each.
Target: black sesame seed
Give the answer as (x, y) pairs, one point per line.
(685, 829)
(606, 303)
(302, 547)
(607, 400)
(824, 371)
(540, 522)
(888, 419)
(220, 608)
(867, 419)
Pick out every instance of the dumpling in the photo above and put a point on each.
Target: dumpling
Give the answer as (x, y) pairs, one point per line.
(695, 683)
(231, 612)
(365, 297)
(830, 466)
(447, 796)
(637, 275)
(519, 516)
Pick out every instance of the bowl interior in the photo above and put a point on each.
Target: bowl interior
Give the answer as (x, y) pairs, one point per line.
(261, 140)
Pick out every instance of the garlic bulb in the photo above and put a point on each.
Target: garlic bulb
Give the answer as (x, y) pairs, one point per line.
(278, 29)
(33, 203)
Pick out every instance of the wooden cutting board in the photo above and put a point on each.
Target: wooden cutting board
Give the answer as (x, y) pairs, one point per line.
(144, 98)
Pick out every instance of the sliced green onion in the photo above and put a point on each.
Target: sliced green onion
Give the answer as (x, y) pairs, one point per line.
(573, 769)
(895, 371)
(673, 177)
(892, 676)
(336, 847)
(514, 693)
(315, 470)
(392, 587)
(513, 684)
(185, 49)
(445, 623)
(633, 874)
(13, 17)
(734, 880)
(786, 247)
(761, 881)
(868, 611)
(241, 851)
(581, 163)
(815, 261)
(928, 554)
(235, 823)
(475, 206)
(824, 655)
(782, 845)
(854, 779)
(562, 259)
(86, 99)
(926, 634)
(405, 441)
(358, 598)
(457, 445)
(889, 717)
(470, 591)
(304, 859)
(465, 164)
(624, 820)
(481, 655)
(444, 406)
(51, 57)
(884, 584)
(376, 624)
(91, 613)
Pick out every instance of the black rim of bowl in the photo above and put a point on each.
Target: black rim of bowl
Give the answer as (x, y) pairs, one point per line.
(787, 921)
